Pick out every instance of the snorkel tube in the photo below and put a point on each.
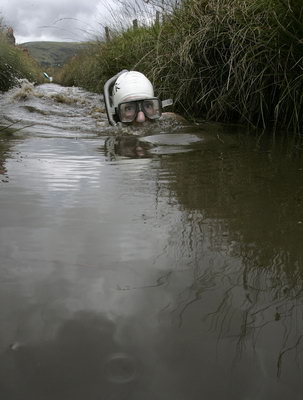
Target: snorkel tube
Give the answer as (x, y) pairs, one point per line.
(110, 110)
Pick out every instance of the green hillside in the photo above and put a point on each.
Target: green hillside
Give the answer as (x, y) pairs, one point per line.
(51, 54)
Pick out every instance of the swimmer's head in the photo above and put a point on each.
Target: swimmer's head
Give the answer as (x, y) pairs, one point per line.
(133, 101)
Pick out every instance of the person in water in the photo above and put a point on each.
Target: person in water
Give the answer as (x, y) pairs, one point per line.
(132, 100)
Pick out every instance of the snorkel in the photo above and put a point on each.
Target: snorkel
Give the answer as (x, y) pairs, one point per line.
(132, 86)
(110, 109)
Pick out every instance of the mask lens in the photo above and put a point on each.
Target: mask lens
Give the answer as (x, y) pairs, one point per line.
(151, 108)
(127, 111)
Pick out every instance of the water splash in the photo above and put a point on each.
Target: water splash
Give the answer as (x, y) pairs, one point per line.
(23, 90)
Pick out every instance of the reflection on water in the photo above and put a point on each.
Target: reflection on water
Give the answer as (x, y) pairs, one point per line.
(6, 143)
(167, 266)
(247, 207)
(125, 146)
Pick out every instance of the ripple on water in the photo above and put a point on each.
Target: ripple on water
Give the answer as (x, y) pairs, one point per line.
(172, 139)
(120, 368)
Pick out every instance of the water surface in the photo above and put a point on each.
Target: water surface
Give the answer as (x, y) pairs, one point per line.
(166, 265)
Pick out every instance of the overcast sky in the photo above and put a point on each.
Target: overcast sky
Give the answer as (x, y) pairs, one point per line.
(55, 20)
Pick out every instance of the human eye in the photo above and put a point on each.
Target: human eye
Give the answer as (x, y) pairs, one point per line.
(129, 107)
(149, 105)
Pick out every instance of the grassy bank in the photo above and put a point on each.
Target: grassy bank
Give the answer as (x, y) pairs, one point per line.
(228, 60)
(15, 64)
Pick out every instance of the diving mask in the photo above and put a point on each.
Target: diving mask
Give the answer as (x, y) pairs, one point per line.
(128, 111)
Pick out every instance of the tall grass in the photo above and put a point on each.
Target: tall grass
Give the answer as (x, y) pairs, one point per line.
(94, 65)
(227, 60)
(15, 64)
(237, 60)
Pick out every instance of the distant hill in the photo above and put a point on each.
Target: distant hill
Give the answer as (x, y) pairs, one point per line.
(51, 54)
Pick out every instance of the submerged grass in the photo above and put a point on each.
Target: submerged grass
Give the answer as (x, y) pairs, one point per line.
(228, 60)
(15, 64)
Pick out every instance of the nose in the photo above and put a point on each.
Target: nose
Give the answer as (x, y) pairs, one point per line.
(140, 117)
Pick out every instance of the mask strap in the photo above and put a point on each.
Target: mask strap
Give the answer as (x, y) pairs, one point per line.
(167, 102)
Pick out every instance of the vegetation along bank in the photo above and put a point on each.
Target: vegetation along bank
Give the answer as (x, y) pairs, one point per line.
(227, 60)
(15, 62)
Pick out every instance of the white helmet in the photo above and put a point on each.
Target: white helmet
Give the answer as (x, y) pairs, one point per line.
(131, 85)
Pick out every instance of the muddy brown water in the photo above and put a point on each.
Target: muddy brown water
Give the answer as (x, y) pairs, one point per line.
(163, 265)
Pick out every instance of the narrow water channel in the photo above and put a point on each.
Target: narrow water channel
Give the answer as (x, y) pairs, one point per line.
(165, 265)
